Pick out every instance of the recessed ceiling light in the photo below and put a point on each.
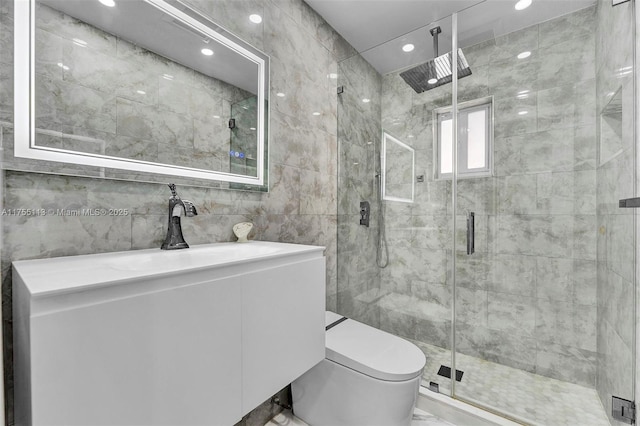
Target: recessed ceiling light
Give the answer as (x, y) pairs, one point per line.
(522, 4)
(108, 3)
(524, 55)
(333, 75)
(141, 92)
(411, 136)
(167, 76)
(432, 81)
(216, 116)
(408, 47)
(523, 112)
(252, 128)
(256, 19)
(280, 95)
(207, 52)
(316, 113)
(366, 100)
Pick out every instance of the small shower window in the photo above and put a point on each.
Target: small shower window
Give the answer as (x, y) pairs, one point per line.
(475, 140)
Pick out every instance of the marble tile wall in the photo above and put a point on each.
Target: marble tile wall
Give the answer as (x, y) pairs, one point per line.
(527, 297)
(299, 208)
(359, 135)
(615, 180)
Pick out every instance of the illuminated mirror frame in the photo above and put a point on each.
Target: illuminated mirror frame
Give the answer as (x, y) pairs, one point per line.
(386, 139)
(24, 106)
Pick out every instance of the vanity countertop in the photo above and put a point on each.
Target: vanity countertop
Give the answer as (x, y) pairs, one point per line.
(45, 277)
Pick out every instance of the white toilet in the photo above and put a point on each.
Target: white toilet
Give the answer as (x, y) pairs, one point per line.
(368, 378)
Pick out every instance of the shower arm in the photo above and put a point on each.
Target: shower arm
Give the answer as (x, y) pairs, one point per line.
(434, 32)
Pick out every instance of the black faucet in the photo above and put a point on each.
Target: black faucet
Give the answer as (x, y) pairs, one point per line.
(174, 239)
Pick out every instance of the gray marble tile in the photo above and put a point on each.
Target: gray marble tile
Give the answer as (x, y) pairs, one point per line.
(616, 306)
(75, 105)
(312, 184)
(511, 314)
(151, 123)
(567, 280)
(553, 150)
(509, 349)
(60, 235)
(515, 115)
(534, 235)
(566, 63)
(566, 323)
(132, 148)
(431, 198)
(67, 27)
(235, 16)
(48, 57)
(567, 364)
(398, 323)
(510, 76)
(574, 25)
(567, 106)
(432, 232)
(472, 307)
(6, 92)
(213, 136)
(516, 194)
(6, 36)
(477, 195)
(566, 192)
(474, 272)
(614, 362)
(284, 190)
(513, 274)
(474, 86)
(102, 72)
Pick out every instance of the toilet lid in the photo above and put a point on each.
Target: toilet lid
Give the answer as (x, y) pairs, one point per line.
(371, 351)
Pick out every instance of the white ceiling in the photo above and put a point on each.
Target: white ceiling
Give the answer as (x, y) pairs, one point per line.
(379, 28)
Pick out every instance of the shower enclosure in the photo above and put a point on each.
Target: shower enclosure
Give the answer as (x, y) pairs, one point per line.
(510, 262)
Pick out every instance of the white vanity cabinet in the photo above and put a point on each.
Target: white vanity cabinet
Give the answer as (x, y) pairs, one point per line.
(188, 337)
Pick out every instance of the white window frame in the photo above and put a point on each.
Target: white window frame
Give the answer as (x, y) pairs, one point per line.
(464, 109)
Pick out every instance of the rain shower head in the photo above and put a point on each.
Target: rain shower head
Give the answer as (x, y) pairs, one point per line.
(437, 71)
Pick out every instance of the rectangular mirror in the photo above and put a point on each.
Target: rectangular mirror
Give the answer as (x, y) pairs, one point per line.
(138, 90)
(398, 169)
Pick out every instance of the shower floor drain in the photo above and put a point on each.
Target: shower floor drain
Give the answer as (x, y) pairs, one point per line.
(445, 371)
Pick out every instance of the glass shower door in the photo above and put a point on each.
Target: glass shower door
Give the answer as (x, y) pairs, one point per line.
(545, 296)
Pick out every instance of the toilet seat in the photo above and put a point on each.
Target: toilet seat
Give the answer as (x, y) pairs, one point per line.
(370, 351)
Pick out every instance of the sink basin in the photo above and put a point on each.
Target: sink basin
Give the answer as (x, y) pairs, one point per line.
(70, 273)
(194, 257)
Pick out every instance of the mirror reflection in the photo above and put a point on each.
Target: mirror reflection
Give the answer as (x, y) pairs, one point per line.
(127, 80)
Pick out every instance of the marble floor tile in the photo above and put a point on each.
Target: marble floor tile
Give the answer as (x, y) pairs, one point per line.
(420, 418)
(534, 399)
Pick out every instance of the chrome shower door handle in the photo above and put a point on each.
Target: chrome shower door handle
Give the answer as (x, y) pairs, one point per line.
(471, 233)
